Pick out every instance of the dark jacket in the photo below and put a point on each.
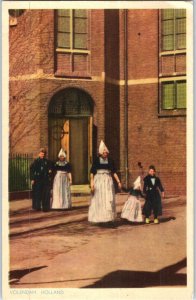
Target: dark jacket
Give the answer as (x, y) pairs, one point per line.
(153, 198)
(41, 170)
(149, 188)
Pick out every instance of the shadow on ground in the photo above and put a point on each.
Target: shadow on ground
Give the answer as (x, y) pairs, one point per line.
(81, 227)
(137, 279)
(16, 275)
(121, 278)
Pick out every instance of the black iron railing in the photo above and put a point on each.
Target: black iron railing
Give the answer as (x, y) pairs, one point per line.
(19, 172)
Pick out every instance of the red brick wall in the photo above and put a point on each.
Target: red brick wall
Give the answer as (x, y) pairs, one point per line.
(31, 43)
(24, 117)
(151, 139)
(158, 141)
(142, 43)
(31, 49)
(97, 42)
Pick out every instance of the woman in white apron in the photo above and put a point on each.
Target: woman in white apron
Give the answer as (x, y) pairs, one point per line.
(61, 195)
(132, 209)
(102, 208)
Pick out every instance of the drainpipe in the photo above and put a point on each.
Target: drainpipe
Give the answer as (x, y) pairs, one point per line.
(125, 101)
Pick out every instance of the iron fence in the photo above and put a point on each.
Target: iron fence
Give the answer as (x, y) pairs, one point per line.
(19, 172)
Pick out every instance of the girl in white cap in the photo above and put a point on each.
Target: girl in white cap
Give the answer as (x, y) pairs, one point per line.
(62, 181)
(132, 209)
(102, 208)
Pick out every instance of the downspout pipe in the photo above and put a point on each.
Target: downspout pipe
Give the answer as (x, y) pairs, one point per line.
(126, 100)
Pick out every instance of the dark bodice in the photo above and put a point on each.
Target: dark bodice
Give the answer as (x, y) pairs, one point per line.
(136, 193)
(98, 165)
(62, 166)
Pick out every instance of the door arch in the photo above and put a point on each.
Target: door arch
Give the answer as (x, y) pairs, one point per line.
(70, 126)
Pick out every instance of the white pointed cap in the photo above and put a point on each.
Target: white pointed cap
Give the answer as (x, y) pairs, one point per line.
(137, 183)
(62, 153)
(102, 147)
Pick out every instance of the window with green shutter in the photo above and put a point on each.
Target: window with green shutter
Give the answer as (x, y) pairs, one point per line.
(168, 95)
(173, 95)
(181, 94)
(173, 29)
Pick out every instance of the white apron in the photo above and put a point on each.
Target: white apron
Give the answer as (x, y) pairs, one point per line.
(102, 207)
(61, 195)
(132, 210)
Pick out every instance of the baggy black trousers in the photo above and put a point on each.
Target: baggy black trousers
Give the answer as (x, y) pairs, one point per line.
(152, 203)
(41, 195)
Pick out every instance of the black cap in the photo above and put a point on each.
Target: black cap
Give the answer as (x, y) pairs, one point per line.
(152, 167)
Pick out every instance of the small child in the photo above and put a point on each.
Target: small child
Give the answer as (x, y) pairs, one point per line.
(152, 189)
(132, 209)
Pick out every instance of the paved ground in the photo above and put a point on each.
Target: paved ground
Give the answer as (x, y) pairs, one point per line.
(61, 249)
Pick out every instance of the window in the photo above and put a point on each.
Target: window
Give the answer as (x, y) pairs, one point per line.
(173, 29)
(72, 44)
(173, 95)
(72, 29)
(172, 63)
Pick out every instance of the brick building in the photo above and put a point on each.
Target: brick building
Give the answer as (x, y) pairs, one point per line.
(79, 76)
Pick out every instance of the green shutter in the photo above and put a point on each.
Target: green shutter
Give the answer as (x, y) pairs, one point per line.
(173, 29)
(180, 33)
(181, 41)
(180, 13)
(181, 94)
(167, 14)
(168, 95)
(168, 42)
(180, 26)
(168, 27)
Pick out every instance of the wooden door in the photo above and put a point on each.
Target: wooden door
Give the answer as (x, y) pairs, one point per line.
(74, 135)
(79, 150)
(65, 138)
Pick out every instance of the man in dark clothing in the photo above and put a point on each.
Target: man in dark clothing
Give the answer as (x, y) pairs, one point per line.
(152, 189)
(41, 180)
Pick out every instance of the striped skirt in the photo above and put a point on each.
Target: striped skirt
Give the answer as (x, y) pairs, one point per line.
(102, 207)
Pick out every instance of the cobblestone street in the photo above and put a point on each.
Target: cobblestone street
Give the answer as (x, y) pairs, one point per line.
(61, 249)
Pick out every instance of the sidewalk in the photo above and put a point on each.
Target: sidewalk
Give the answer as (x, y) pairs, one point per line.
(61, 249)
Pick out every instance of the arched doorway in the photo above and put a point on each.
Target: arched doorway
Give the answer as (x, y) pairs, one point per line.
(70, 127)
